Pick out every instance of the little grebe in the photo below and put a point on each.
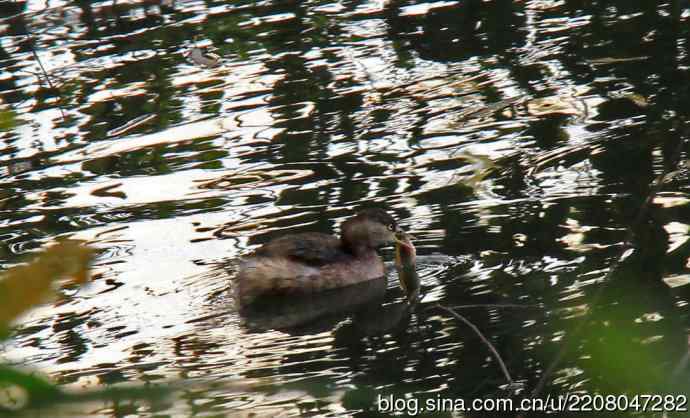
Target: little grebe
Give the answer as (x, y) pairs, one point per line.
(312, 262)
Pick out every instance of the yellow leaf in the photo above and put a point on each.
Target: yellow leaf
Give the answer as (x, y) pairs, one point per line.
(22, 287)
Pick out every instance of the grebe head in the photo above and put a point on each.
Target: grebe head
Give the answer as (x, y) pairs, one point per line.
(368, 230)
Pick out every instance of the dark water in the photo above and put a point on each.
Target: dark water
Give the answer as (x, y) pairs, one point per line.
(517, 141)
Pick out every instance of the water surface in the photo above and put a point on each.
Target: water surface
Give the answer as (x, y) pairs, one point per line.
(517, 141)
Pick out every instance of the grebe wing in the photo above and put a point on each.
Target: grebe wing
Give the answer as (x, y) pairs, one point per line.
(312, 248)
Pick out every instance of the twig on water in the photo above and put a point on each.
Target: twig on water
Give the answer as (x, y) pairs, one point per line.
(482, 337)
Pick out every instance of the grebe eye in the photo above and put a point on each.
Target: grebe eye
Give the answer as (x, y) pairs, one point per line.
(391, 227)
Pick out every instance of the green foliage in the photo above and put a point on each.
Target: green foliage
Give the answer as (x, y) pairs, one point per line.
(24, 395)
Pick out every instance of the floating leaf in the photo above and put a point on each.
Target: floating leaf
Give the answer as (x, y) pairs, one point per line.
(203, 59)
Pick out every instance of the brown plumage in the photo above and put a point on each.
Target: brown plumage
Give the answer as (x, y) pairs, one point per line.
(311, 262)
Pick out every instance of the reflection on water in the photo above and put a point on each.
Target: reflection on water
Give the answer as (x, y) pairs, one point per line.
(515, 140)
(285, 313)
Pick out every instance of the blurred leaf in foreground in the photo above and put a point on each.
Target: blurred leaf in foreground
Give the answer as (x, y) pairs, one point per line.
(27, 395)
(8, 119)
(18, 388)
(22, 287)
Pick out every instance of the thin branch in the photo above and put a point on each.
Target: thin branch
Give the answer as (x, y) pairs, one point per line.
(482, 337)
(45, 74)
(497, 305)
